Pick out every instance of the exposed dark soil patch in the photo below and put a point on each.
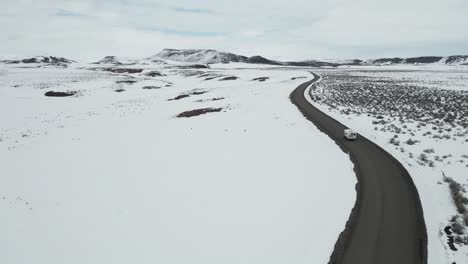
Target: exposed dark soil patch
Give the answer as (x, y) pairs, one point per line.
(295, 78)
(261, 79)
(119, 90)
(185, 95)
(197, 92)
(153, 74)
(194, 66)
(126, 81)
(229, 78)
(451, 241)
(210, 100)
(122, 70)
(60, 94)
(179, 97)
(210, 78)
(198, 112)
(150, 87)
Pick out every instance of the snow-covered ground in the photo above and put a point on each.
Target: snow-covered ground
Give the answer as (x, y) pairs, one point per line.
(418, 114)
(111, 175)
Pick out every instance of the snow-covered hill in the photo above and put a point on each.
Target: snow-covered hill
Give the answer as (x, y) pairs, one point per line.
(110, 60)
(208, 56)
(40, 60)
(448, 60)
(456, 60)
(115, 61)
(199, 56)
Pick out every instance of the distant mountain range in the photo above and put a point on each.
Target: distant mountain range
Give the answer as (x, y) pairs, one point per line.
(449, 60)
(208, 56)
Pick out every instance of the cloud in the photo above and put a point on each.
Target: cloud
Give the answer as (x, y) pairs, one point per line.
(66, 13)
(183, 32)
(193, 10)
(294, 29)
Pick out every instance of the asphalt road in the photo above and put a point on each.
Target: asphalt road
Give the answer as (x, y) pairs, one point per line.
(386, 225)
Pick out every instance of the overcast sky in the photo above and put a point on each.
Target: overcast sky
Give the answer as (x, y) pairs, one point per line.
(292, 29)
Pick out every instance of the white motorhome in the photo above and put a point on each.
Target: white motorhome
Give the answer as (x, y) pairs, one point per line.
(349, 134)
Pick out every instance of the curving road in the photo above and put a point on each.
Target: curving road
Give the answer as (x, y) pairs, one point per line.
(386, 225)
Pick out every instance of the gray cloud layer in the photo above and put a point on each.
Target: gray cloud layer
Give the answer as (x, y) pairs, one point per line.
(294, 29)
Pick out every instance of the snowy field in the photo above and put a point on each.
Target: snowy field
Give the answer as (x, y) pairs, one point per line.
(112, 175)
(420, 115)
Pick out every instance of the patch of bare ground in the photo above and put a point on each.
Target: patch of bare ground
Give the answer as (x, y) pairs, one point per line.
(229, 78)
(295, 78)
(153, 74)
(197, 92)
(181, 96)
(210, 100)
(60, 94)
(261, 79)
(194, 66)
(122, 70)
(150, 87)
(207, 76)
(197, 112)
(126, 81)
(185, 95)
